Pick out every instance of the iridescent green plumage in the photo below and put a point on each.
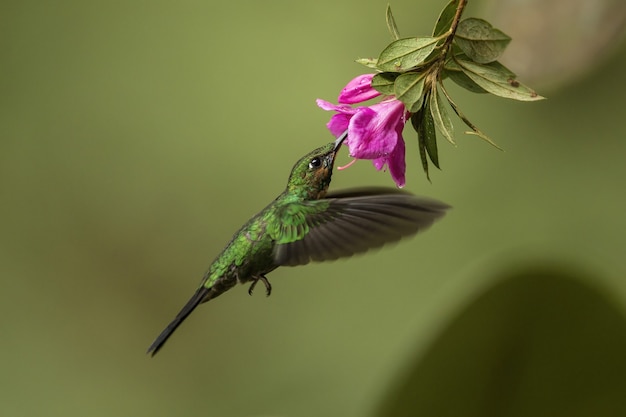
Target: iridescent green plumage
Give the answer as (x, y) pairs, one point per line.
(305, 224)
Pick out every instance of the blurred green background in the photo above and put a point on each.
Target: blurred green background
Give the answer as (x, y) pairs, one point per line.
(136, 137)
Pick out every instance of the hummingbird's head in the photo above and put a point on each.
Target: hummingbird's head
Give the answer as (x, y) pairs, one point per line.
(311, 175)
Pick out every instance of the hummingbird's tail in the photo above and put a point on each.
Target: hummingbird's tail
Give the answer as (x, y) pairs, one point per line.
(201, 295)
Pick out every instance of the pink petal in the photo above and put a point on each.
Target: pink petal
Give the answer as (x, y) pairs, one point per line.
(397, 164)
(358, 89)
(325, 105)
(358, 131)
(379, 163)
(392, 112)
(338, 124)
(373, 131)
(367, 140)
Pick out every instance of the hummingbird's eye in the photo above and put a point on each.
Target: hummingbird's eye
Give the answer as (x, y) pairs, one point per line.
(315, 163)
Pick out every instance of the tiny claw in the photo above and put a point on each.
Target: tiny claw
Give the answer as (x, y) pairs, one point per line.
(251, 289)
(348, 165)
(268, 286)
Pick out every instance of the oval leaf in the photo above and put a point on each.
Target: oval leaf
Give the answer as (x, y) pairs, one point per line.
(427, 131)
(498, 66)
(454, 71)
(416, 121)
(445, 18)
(497, 80)
(405, 54)
(368, 62)
(384, 83)
(391, 24)
(480, 41)
(409, 89)
(475, 130)
(440, 115)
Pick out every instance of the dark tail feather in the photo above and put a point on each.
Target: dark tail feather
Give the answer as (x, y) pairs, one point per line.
(197, 298)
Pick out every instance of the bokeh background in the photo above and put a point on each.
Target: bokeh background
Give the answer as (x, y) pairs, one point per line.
(136, 137)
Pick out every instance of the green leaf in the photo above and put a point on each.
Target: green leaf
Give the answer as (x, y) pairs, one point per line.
(497, 80)
(456, 74)
(384, 82)
(423, 124)
(480, 41)
(498, 66)
(475, 130)
(391, 24)
(464, 81)
(445, 18)
(416, 121)
(405, 54)
(409, 89)
(368, 62)
(429, 134)
(456, 50)
(440, 115)
(454, 71)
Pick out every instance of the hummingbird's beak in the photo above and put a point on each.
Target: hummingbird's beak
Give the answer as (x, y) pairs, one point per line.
(340, 140)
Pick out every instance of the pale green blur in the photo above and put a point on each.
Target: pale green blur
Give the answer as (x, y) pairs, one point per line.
(136, 137)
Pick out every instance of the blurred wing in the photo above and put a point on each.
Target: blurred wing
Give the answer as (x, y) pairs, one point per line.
(351, 222)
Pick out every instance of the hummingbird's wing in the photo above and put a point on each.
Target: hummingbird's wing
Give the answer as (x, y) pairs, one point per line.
(349, 222)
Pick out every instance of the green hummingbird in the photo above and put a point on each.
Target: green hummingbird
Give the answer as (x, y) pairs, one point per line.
(305, 224)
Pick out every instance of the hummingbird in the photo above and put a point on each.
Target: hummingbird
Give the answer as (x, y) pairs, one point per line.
(305, 223)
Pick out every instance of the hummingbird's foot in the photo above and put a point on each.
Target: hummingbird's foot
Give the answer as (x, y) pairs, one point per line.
(255, 279)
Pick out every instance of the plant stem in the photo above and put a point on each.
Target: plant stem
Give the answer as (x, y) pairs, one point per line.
(455, 23)
(437, 67)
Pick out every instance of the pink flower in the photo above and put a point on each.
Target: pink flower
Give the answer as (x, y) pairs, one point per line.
(374, 132)
(357, 90)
